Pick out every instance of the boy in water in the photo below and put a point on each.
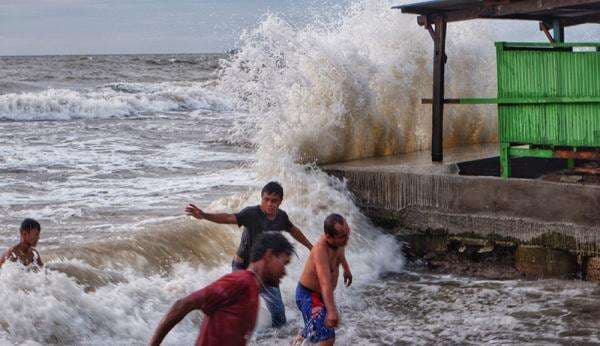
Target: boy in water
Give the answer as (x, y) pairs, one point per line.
(257, 219)
(231, 303)
(25, 251)
(314, 294)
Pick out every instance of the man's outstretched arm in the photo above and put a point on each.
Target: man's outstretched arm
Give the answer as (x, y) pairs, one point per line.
(178, 311)
(208, 300)
(300, 238)
(199, 214)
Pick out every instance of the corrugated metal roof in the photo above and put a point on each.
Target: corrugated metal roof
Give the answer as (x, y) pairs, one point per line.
(570, 12)
(437, 6)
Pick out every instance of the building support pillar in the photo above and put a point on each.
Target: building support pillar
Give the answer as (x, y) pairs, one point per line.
(558, 31)
(439, 61)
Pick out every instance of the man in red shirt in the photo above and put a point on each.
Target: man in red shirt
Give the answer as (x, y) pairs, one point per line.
(230, 304)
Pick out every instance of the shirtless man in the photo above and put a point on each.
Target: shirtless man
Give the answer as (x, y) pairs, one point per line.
(25, 251)
(314, 294)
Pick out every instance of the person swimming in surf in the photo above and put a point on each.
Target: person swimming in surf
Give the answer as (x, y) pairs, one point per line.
(314, 293)
(25, 251)
(231, 303)
(255, 220)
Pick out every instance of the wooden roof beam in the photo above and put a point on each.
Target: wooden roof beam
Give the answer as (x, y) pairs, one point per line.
(505, 9)
(594, 18)
(544, 27)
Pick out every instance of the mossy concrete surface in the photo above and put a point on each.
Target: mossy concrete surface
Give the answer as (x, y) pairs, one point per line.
(541, 262)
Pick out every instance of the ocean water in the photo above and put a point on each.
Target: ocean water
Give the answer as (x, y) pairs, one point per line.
(106, 151)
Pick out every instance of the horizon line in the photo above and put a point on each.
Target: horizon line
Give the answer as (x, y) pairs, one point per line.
(106, 54)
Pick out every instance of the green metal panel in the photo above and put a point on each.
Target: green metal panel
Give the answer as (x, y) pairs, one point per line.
(541, 153)
(505, 45)
(554, 92)
(528, 100)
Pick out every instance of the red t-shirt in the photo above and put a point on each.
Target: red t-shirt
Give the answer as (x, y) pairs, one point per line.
(231, 306)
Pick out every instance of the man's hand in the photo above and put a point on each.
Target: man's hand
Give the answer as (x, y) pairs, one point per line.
(194, 211)
(347, 278)
(332, 320)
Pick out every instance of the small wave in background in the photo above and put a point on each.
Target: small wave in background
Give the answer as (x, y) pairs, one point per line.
(111, 100)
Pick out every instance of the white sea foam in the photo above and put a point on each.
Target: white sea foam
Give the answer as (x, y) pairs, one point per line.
(113, 100)
(128, 297)
(51, 308)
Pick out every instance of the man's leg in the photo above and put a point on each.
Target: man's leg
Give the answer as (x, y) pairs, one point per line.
(314, 315)
(272, 297)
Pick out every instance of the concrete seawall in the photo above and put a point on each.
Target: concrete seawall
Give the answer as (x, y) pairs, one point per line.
(409, 193)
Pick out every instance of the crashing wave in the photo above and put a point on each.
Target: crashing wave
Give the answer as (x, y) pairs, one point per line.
(352, 88)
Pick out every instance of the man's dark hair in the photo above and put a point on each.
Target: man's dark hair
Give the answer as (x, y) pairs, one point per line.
(330, 221)
(29, 225)
(273, 187)
(273, 241)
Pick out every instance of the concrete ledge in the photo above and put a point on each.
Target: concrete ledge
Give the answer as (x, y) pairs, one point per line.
(557, 235)
(546, 202)
(409, 193)
(415, 193)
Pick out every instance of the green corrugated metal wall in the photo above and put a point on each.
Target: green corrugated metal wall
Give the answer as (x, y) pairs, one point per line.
(543, 71)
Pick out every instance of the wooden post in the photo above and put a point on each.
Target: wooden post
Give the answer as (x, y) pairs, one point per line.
(439, 60)
(558, 31)
(505, 160)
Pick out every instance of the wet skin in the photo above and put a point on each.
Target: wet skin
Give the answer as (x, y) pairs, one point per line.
(25, 251)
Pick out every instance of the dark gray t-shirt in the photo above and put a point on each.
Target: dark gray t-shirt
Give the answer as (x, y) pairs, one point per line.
(255, 222)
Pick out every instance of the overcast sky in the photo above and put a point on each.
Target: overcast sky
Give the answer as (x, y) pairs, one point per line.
(160, 26)
(139, 26)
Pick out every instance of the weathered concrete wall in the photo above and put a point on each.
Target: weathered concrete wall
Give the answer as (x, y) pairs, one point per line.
(428, 196)
(521, 209)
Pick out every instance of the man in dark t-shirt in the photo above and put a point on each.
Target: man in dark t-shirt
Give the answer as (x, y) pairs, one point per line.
(230, 304)
(255, 220)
